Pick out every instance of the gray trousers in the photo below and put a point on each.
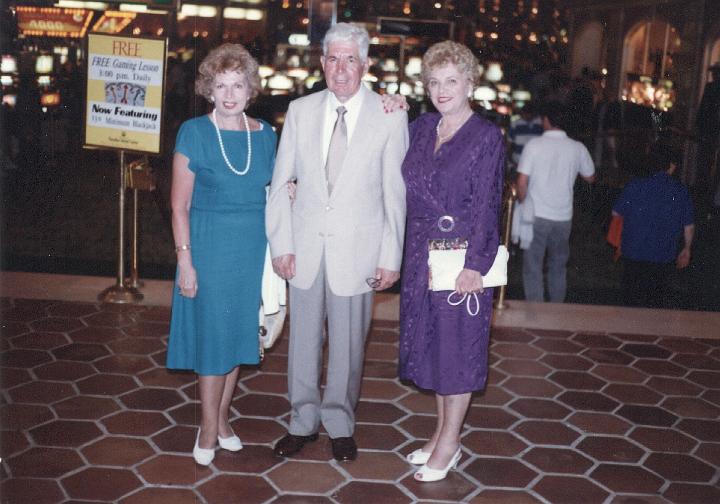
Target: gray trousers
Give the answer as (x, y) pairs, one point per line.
(553, 238)
(348, 319)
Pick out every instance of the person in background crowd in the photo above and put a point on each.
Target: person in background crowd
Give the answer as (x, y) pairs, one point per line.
(222, 163)
(339, 240)
(657, 218)
(708, 128)
(523, 129)
(453, 173)
(548, 168)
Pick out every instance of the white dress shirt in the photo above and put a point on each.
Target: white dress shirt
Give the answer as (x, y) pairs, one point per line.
(352, 107)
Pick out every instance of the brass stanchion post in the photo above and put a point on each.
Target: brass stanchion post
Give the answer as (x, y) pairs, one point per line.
(510, 197)
(119, 293)
(134, 280)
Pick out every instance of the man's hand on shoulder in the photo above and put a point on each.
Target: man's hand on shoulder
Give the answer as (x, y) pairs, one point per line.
(393, 102)
(284, 266)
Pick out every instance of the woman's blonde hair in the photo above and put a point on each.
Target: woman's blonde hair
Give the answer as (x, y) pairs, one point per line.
(444, 53)
(227, 57)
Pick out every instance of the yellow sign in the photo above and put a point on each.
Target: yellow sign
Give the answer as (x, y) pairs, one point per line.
(124, 107)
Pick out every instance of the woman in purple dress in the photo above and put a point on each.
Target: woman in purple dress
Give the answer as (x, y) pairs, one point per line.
(453, 172)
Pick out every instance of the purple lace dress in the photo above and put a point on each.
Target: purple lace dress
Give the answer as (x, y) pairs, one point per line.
(442, 347)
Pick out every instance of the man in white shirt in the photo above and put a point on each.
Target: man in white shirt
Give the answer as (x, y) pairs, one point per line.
(340, 240)
(547, 171)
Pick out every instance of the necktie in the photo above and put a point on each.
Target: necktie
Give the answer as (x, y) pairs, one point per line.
(338, 147)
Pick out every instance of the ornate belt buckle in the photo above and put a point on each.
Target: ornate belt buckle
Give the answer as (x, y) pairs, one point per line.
(446, 223)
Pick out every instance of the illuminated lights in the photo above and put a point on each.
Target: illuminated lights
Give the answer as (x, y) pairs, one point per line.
(494, 36)
(240, 13)
(494, 72)
(137, 31)
(204, 11)
(479, 34)
(305, 21)
(113, 21)
(75, 4)
(438, 5)
(53, 21)
(265, 71)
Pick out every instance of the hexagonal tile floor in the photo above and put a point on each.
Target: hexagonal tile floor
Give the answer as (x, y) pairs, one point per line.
(88, 413)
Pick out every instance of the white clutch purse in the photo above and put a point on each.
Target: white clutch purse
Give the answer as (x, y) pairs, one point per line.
(447, 259)
(274, 306)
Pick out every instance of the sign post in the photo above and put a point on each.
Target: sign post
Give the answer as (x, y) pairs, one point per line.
(123, 111)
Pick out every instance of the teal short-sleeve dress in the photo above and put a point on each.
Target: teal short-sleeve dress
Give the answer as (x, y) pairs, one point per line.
(218, 328)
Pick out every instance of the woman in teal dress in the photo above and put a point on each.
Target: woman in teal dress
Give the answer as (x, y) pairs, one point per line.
(222, 163)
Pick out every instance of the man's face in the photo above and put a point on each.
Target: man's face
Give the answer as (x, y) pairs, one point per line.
(343, 69)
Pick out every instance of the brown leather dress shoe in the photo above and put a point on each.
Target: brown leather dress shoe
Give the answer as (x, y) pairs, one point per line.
(344, 449)
(291, 444)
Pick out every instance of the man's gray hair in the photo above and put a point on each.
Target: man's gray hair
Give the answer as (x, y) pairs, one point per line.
(348, 33)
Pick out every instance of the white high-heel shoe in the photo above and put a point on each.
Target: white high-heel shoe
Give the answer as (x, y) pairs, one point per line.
(231, 443)
(427, 474)
(418, 457)
(203, 456)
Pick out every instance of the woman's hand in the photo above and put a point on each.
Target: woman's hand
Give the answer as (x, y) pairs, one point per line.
(187, 280)
(469, 281)
(291, 188)
(393, 102)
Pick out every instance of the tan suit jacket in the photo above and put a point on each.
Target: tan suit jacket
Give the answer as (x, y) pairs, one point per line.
(360, 226)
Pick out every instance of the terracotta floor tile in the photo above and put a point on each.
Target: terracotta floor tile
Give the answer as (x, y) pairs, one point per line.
(709, 452)
(39, 340)
(107, 384)
(589, 401)
(226, 488)
(691, 361)
(20, 314)
(162, 496)
(108, 319)
(23, 416)
(155, 399)
(147, 329)
(709, 379)
(558, 460)
(301, 499)
(251, 459)
(419, 402)
(619, 374)
(658, 367)
(100, 483)
(516, 351)
(70, 309)
(44, 463)
(160, 358)
(135, 423)
(686, 493)
(501, 472)
(673, 386)
(524, 367)
(10, 329)
(173, 470)
(85, 408)
(454, 488)
(712, 396)
(539, 408)
(481, 417)
(11, 377)
(493, 395)
(704, 430)
(101, 335)
(531, 387)
(117, 451)
(124, 364)
(26, 359)
(71, 433)
(570, 490)
(378, 437)
(12, 442)
(684, 345)
(557, 346)
(26, 490)
(261, 405)
(385, 390)
(361, 492)
(186, 414)
(647, 415)
(64, 371)
(318, 451)
(178, 438)
(493, 443)
(511, 334)
(596, 340)
(633, 394)
(577, 380)
(376, 412)
(567, 362)
(638, 499)
(56, 324)
(382, 352)
(678, 467)
(608, 356)
(383, 335)
(377, 369)
(272, 383)
(542, 432)
(42, 392)
(162, 377)
(310, 477)
(137, 346)
(503, 497)
(610, 449)
(373, 465)
(252, 430)
(691, 407)
(663, 440)
(551, 333)
(85, 352)
(647, 351)
(624, 478)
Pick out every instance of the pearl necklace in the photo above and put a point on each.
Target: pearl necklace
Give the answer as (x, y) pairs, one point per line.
(222, 147)
(441, 138)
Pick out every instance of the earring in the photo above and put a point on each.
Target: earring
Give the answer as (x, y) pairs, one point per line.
(212, 99)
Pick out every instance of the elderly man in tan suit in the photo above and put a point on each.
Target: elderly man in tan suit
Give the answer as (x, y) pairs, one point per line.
(340, 239)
